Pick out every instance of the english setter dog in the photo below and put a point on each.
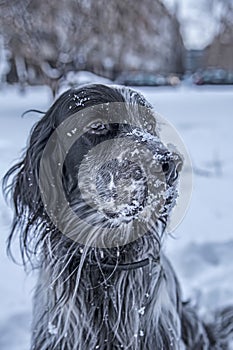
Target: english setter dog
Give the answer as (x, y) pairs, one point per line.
(92, 197)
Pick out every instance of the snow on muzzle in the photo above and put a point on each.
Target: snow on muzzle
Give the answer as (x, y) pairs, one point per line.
(122, 187)
(134, 169)
(129, 181)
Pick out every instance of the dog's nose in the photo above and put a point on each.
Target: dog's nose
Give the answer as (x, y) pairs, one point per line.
(171, 170)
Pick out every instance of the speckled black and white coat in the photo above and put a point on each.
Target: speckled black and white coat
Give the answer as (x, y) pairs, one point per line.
(96, 298)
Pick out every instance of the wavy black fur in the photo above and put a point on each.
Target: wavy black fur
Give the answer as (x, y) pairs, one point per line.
(84, 298)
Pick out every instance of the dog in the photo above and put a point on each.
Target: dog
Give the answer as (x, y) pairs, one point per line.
(92, 197)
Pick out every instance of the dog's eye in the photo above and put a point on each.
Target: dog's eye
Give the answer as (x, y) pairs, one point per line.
(98, 127)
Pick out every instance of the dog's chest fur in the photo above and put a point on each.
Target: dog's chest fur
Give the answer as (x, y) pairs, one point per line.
(136, 309)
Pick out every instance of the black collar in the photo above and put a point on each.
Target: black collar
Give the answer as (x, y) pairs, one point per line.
(128, 266)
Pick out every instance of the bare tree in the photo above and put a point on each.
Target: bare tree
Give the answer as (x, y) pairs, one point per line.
(48, 39)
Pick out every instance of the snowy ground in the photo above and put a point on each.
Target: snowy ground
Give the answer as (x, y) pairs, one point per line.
(202, 249)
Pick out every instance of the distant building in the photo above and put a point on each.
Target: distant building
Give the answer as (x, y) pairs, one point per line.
(194, 60)
(219, 54)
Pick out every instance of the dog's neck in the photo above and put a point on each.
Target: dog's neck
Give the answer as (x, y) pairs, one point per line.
(135, 255)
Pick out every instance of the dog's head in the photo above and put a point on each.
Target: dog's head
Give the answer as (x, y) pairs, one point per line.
(97, 154)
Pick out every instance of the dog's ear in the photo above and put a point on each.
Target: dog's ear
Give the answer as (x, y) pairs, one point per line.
(21, 182)
(24, 185)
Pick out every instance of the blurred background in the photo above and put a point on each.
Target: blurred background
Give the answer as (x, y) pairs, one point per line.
(179, 54)
(153, 42)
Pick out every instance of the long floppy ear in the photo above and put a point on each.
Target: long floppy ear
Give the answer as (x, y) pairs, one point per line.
(21, 183)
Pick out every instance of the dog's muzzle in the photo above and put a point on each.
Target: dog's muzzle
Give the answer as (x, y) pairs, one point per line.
(142, 173)
(122, 186)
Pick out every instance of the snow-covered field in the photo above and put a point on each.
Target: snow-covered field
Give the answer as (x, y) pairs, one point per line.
(202, 248)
